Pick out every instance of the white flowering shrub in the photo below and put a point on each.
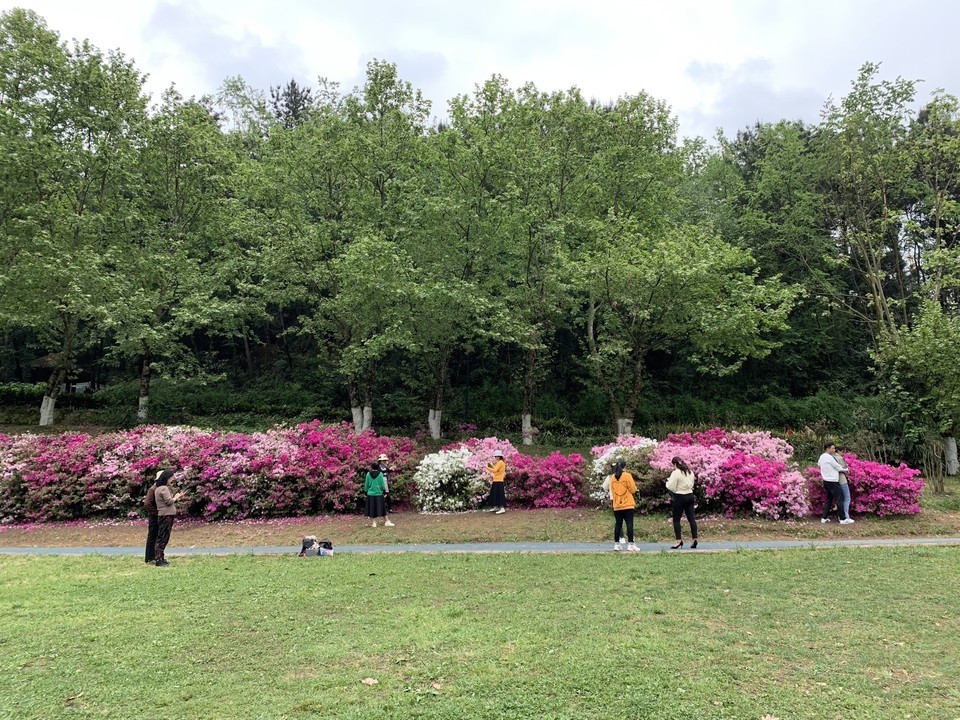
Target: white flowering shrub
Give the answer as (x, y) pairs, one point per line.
(631, 449)
(446, 484)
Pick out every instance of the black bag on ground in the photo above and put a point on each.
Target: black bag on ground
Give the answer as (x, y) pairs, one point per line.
(311, 547)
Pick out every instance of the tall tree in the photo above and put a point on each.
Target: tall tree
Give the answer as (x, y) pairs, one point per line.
(865, 172)
(169, 286)
(83, 113)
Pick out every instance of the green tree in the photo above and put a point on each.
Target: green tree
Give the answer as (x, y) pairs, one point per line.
(83, 113)
(172, 284)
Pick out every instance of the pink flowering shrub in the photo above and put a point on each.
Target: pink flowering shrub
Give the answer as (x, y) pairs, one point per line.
(738, 472)
(551, 482)
(297, 471)
(761, 444)
(874, 488)
(555, 481)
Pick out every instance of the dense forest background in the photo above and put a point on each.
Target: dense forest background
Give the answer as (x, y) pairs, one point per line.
(535, 262)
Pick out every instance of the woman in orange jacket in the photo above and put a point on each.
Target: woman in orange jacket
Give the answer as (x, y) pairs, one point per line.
(498, 472)
(621, 486)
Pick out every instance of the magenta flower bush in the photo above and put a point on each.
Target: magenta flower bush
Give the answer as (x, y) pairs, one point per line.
(874, 488)
(739, 472)
(555, 481)
(295, 471)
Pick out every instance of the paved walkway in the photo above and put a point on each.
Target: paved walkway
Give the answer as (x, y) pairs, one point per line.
(502, 547)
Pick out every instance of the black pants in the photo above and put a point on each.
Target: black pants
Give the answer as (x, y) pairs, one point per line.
(164, 526)
(683, 505)
(150, 553)
(498, 495)
(834, 497)
(621, 516)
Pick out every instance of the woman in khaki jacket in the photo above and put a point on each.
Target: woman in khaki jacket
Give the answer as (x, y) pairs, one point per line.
(680, 484)
(166, 512)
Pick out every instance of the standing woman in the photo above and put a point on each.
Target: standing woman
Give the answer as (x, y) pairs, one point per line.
(498, 472)
(375, 485)
(150, 503)
(680, 484)
(622, 487)
(166, 512)
(382, 461)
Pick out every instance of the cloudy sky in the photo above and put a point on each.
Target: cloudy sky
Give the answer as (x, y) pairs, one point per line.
(717, 63)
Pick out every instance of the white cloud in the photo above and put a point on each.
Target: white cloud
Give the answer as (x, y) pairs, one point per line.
(716, 63)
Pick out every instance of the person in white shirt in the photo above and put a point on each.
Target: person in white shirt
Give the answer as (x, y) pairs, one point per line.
(831, 468)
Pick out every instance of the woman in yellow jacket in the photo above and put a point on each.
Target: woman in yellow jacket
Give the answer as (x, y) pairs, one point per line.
(622, 488)
(498, 473)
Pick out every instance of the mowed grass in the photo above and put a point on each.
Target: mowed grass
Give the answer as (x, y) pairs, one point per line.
(838, 633)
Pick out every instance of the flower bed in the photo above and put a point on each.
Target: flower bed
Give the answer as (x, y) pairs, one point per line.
(297, 471)
(874, 488)
(456, 478)
(739, 472)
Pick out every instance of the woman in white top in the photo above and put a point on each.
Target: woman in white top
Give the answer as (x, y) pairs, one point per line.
(680, 484)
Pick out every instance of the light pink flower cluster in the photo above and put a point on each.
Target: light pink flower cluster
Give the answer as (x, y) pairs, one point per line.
(739, 472)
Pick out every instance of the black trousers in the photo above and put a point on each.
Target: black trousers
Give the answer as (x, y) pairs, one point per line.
(150, 553)
(620, 517)
(683, 505)
(164, 526)
(834, 497)
(498, 495)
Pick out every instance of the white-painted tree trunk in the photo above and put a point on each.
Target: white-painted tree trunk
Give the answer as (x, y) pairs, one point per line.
(367, 417)
(526, 428)
(433, 420)
(624, 426)
(46, 410)
(143, 408)
(357, 413)
(950, 455)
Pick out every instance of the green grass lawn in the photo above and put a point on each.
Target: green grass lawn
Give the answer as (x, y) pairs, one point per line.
(839, 633)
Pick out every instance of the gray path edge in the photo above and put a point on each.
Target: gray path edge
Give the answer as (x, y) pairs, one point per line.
(498, 547)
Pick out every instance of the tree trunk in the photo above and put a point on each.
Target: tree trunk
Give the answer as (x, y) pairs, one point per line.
(433, 420)
(526, 428)
(529, 380)
(353, 388)
(143, 405)
(624, 426)
(247, 354)
(367, 417)
(49, 402)
(46, 410)
(950, 455)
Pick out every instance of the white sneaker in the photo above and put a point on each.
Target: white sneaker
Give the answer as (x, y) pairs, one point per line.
(848, 521)
(633, 548)
(616, 547)
(501, 511)
(824, 520)
(374, 523)
(387, 523)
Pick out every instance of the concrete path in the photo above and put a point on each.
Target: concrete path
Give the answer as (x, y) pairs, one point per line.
(503, 547)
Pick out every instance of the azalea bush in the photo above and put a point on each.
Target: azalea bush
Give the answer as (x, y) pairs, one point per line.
(457, 479)
(286, 471)
(632, 450)
(874, 488)
(446, 484)
(738, 472)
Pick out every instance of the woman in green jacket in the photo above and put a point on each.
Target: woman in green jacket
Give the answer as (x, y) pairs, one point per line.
(375, 485)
